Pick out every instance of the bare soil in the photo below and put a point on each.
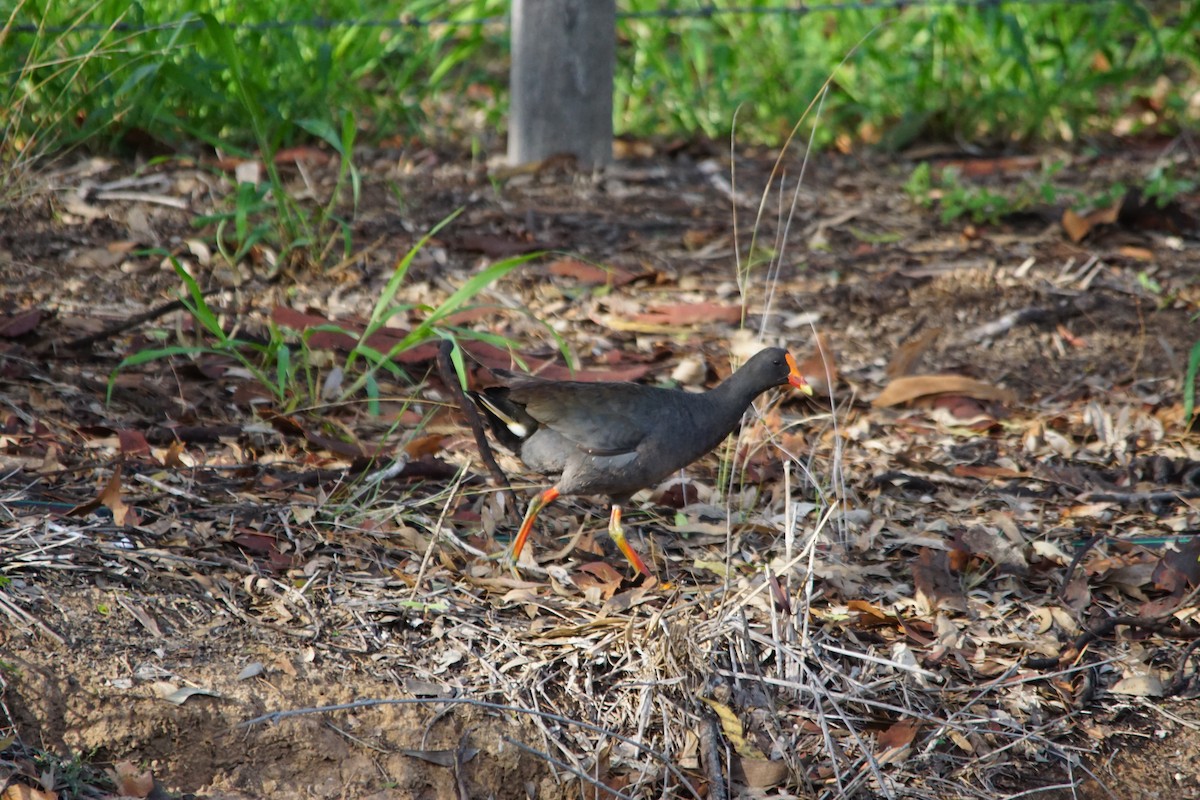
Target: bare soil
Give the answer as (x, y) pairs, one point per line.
(981, 533)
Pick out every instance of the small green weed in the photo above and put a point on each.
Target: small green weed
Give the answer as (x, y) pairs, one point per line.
(1165, 297)
(432, 323)
(1148, 283)
(249, 219)
(1189, 383)
(286, 367)
(1163, 185)
(269, 363)
(977, 202)
(296, 227)
(1106, 198)
(955, 197)
(72, 776)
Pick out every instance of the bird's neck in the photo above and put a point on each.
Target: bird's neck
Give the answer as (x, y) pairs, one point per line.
(733, 395)
(726, 404)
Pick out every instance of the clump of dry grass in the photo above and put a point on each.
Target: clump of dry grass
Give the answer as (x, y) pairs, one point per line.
(40, 98)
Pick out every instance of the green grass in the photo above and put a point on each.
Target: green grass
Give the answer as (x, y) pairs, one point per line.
(42, 89)
(175, 81)
(286, 368)
(992, 74)
(988, 75)
(956, 197)
(48, 774)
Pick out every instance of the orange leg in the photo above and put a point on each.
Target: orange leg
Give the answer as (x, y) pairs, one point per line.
(618, 536)
(539, 502)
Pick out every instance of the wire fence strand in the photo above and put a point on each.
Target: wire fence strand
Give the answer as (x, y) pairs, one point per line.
(403, 22)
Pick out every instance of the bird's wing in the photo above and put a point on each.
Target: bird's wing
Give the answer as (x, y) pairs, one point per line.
(604, 420)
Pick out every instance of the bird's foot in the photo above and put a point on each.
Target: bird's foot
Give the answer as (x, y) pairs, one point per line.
(618, 535)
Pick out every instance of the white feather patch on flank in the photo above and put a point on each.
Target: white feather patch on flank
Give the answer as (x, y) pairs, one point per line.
(518, 429)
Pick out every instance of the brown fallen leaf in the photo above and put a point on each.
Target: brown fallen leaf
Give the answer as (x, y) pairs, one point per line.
(600, 576)
(694, 238)
(559, 162)
(130, 781)
(689, 314)
(265, 545)
(132, 443)
(984, 167)
(302, 154)
(760, 773)
(905, 359)
(1179, 570)
(960, 407)
(467, 316)
(897, 737)
(1144, 684)
(589, 273)
(872, 616)
(98, 258)
(985, 472)
(110, 497)
(19, 324)
(494, 246)
(624, 601)
(429, 445)
(1136, 253)
(633, 326)
(19, 791)
(1078, 226)
(1084, 510)
(820, 369)
(175, 455)
(50, 462)
(907, 388)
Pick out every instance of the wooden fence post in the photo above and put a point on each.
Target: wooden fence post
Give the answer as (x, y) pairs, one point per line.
(561, 80)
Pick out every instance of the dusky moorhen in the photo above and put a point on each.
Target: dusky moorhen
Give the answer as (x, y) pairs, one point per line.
(617, 438)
